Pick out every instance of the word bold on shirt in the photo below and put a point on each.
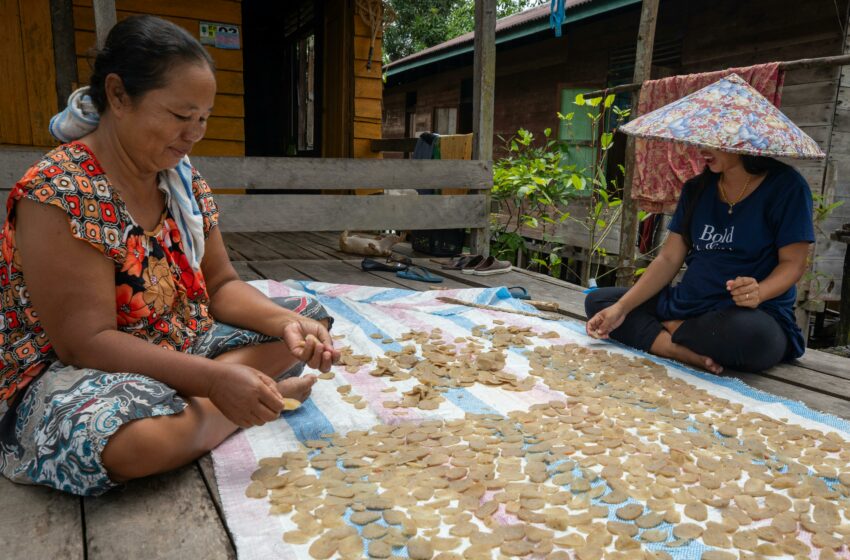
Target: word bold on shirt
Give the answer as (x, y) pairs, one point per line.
(716, 239)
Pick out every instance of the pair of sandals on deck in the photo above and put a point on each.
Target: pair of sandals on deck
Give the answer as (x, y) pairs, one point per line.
(403, 268)
(477, 265)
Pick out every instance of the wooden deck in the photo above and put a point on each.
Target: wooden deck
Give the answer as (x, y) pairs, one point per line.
(178, 515)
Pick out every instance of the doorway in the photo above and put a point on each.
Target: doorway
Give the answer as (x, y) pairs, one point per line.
(282, 77)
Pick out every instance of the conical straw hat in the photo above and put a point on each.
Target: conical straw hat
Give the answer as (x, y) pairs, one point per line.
(728, 115)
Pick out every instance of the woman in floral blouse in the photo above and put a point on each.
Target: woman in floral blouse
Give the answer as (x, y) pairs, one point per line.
(130, 346)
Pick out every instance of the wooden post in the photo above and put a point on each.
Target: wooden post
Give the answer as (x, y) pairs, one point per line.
(104, 19)
(483, 93)
(64, 50)
(629, 221)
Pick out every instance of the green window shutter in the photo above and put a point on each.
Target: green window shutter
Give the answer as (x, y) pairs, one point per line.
(578, 133)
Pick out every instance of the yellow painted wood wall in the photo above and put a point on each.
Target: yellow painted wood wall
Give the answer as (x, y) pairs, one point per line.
(226, 130)
(28, 93)
(28, 96)
(368, 90)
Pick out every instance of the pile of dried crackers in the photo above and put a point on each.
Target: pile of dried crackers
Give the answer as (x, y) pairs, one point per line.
(631, 464)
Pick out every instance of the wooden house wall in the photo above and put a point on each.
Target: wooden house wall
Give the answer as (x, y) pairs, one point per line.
(368, 89)
(830, 254)
(528, 78)
(226, 129)
(351, 108)
(714, 36)
(337, 109)
(28, 96)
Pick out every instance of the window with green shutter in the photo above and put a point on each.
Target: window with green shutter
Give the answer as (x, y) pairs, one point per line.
(577, 133)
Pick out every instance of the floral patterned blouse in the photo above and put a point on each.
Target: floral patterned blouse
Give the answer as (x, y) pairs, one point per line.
(158, 296)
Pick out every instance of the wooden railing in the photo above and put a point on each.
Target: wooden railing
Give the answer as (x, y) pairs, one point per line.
(268, 207)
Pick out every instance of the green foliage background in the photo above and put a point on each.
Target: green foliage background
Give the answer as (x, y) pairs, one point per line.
(413, 25)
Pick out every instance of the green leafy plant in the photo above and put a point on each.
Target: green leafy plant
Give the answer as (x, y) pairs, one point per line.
(604, 206)
(817, 283)
(823, 209)
(532, 186)
(537, 181)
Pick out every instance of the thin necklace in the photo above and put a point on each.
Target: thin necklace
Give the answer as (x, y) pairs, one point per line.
(740, 196)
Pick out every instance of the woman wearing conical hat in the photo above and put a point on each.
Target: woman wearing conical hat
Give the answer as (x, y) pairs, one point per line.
(742, 227)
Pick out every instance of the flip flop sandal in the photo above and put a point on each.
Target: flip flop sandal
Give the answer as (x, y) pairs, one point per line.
(518, 292)
(371, 264)
(419, 274)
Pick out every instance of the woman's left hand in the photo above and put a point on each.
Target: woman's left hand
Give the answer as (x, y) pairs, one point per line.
(744, 291)
(310, 342)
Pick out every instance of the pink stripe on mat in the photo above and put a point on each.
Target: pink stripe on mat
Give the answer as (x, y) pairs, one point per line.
(246, 516)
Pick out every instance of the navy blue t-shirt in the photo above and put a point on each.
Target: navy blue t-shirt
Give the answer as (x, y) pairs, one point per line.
(745, 243)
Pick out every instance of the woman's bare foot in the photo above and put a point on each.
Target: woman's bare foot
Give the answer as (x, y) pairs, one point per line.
(672, 325)
(665, 347)
(297, 387)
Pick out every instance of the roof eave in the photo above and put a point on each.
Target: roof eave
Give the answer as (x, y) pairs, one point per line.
(576, 14)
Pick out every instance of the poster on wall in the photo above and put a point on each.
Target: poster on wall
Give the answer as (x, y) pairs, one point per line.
(219, 35)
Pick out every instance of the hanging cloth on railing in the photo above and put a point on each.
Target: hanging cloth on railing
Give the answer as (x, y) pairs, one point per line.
(556, 15)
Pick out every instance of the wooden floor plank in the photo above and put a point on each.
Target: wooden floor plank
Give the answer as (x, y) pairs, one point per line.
(290, 247)
(338, 272)
(817, 401)
(251, 249)
(325, 244)
(279, 270)
(244, 270)
(207, 472)
(234, 255)
(37, 522)
(330, 238)
(161, 517)
(811, 379)
(825, 363)
(205, 465)
(550, 280)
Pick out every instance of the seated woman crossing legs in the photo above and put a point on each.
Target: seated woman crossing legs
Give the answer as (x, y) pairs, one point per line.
(742, 339)
(743, 228)
(130, 345)
(734, 305)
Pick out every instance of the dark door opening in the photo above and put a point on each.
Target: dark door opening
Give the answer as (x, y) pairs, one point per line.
(282, 63)
(464, 117)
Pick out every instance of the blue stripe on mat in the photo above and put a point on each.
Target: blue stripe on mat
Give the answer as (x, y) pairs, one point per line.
(468, 402)
(390, 294)
(308, 422)
(341, 309)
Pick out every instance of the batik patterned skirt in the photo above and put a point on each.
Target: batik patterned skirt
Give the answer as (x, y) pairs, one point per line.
(56, 430)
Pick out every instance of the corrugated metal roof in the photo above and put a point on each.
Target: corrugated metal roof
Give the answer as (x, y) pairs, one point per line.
(502, 25)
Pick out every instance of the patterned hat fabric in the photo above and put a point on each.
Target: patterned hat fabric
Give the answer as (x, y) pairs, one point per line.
(728, 115)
